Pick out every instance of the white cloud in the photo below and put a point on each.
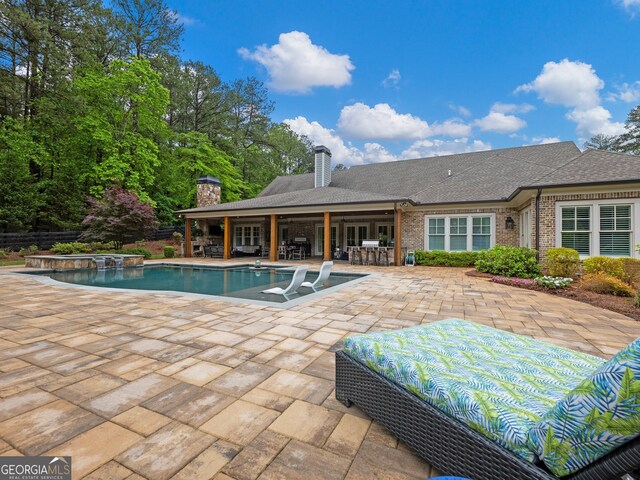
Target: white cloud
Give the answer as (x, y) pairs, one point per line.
(381, 122)
(376, 153)
(627, 92)
(512, 107)
(451, 128)
(296, 65)
(500, 123)
(393, 79)
(545, 140)
(567, 83)
(436, 147)
(319, 135)
(595, 120)
(576, 85)
(631, 6)
(461, 110)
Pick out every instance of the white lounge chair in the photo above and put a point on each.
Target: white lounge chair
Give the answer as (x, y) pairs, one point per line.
(325, 271)
(296, 281)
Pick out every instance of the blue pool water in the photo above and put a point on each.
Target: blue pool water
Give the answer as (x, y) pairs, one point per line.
(240, 281)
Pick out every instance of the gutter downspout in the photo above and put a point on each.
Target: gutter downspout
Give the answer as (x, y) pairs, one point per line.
(538, 223)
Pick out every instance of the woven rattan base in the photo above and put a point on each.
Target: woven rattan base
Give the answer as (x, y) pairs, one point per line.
(449, 445)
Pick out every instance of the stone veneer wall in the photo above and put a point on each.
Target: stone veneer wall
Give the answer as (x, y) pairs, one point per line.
(208, 194)
(413, 225)
(548, 214)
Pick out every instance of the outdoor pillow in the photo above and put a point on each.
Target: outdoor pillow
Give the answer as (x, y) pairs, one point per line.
(597, 416)
(498, 383)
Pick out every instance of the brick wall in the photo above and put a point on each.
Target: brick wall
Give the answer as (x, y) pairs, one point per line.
(548, 214)
(413, 225)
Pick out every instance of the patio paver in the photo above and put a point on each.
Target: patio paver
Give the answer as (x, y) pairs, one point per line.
(204, 388)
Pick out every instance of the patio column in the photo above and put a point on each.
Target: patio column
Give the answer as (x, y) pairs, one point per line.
(397, 242)
(227, 238)
(327, 237)
(273, 253)
(187, 237)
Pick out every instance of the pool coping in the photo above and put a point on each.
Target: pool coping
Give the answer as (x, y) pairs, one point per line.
(202, 296)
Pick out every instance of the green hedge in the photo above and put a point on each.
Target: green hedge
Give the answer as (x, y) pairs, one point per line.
(440, 258)
(135, 251)
(509, 262)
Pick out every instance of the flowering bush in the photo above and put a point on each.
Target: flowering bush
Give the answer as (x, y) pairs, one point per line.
(553, 282)
(515, 281)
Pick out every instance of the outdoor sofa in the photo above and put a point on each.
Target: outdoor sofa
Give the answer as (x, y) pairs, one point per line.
(487, 404)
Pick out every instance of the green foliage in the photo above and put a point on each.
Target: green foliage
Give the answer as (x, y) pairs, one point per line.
(607, 284)
(636, 299)
(135, 251)
(177, 237)
(563, 262)
(446, 259)
(103, 246)
(30, 250)
(169, 251)
(554, 283)
(3, 253)
(607, 265)
(71, 248)
(509, 262)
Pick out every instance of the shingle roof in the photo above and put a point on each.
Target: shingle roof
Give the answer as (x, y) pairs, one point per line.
(594, 166)
(493, 175)
(307, 197)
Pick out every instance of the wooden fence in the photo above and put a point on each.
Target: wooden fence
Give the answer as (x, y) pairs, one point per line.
(45, 240)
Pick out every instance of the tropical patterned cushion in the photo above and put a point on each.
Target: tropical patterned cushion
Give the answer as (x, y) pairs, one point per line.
(498, 383)
(600, 414)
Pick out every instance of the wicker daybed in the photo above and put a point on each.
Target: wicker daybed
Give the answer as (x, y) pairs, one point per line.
(449, 444)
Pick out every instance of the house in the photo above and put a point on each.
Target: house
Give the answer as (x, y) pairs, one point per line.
(538, 196)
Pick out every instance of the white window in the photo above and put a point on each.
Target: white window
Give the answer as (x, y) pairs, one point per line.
(355, 233)
(615, 230)
(604, 227)
(385, 232)
(245, 235)
(460, 233)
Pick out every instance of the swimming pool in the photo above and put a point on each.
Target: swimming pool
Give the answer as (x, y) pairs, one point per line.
(242, 281)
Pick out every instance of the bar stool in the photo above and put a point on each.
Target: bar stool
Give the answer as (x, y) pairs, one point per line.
(383, 251)
(356, 256)
(370, 252)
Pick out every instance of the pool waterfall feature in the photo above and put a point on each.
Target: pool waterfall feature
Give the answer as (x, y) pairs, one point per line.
(83, 261)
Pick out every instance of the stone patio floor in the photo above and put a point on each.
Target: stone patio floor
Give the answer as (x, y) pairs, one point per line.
(158, 386)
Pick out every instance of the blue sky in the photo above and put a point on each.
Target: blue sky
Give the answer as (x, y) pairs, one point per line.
(382, 80)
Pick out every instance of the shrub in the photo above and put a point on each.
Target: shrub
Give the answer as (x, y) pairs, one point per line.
(446, 259)
(140, 243)
(631, 267)
(135, 251)
(515, 281)
(554, 282)
(177, 238)
(30, 250)
(70, 248)
(3, 253)
(95, 246)
(509, 262)
(563, 262)
(169, 251)
(608, 284)
(607, 265)
(636, 299)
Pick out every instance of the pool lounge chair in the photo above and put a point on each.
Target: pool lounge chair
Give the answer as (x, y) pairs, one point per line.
(298, 277)
(325, 271)
(484, 404)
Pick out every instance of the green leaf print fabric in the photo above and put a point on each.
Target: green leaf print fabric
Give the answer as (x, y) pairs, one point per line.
(599, 415)
(498, 383)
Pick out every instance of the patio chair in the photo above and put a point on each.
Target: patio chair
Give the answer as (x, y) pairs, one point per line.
(325, 271)
(297, 279)
(486, 404)
(282, 252)
(298, 254)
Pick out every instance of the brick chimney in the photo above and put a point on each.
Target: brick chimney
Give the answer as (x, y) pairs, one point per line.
(323, 166)
(209, 191)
